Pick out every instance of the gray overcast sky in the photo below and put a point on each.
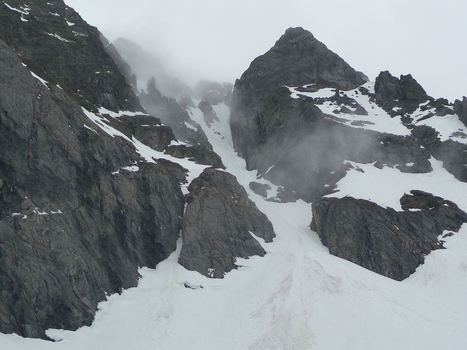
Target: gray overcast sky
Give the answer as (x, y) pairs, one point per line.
(217, 39)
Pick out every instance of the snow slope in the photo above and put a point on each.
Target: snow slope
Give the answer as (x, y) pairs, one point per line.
(296, 297)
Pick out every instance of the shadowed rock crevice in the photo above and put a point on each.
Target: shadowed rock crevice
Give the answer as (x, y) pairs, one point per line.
(218, 225)
(382, 240)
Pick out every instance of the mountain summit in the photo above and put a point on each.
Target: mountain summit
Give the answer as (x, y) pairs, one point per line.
(298, 58)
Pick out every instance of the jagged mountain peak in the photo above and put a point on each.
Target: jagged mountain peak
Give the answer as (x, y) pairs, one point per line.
(298, 58)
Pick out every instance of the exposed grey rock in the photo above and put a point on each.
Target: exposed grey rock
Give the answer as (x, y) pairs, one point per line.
(452, 153)
(218, 225)
(460, 108)
(147, 129)
(286, 196)
(258, 188)
(186, 102)
(405, 93)
(390, 243)
(197, 153)
(423, 201)
(74, 224)
(72, 57)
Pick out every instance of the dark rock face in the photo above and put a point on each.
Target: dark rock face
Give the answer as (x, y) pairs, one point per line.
(423, 201)
(208, 112)
(452, 153)
(64, 50)
(290, 141)
(390, 243)
(218, 220)
(74, 224)
(197, 153)
(145, 128)
(404, 92)
(261, 189)
(460, 107)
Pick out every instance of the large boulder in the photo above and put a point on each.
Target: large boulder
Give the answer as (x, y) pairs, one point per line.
(383, 240)
(219, 223)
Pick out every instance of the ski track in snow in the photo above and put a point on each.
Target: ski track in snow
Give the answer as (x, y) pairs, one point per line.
(296, 297)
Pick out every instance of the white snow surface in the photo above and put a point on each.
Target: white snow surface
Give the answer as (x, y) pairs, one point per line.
(298, 296)
(449, 126)
(377, 118)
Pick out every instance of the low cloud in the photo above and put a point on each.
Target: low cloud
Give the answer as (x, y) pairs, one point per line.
(217, 40)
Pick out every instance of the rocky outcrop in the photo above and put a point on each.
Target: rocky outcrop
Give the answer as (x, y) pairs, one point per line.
(197, 154)
(404, 93)
(382, 240)
(304, 150)
(61, 48)
(219, 223)
(460, 107)
(420, 200)
(79, 209)
(260, 189)
(147, 129)
(452, 153)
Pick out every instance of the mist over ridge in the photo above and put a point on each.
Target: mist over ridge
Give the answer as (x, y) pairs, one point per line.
(208, 40)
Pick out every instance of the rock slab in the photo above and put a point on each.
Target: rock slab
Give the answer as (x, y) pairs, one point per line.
(383, 240)
(218, 225)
